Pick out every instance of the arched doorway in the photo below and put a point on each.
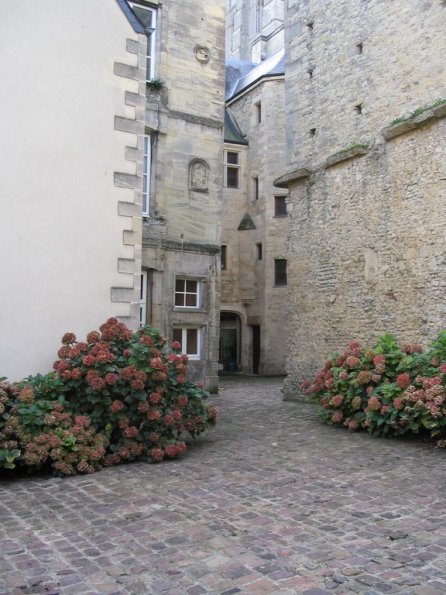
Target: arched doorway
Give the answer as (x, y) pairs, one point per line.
(230, 342)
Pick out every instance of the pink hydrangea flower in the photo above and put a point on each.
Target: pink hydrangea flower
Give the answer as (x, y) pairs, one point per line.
(403, 380)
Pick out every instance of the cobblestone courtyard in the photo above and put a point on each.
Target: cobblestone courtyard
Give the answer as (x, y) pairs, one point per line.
(271, 501)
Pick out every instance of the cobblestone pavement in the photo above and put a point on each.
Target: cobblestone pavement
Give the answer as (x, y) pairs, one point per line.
(269, 502)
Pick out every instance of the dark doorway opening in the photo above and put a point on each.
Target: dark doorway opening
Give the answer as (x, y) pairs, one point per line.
(230, 329)
(255, 349)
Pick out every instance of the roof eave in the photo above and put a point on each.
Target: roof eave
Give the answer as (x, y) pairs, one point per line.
(255, 83)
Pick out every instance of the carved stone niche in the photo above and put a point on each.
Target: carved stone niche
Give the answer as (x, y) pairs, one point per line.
(199, 175)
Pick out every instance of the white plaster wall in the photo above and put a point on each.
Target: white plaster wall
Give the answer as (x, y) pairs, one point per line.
(60, 235)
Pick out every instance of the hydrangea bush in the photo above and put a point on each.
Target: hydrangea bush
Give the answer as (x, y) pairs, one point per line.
(389, 390)
(119, 396)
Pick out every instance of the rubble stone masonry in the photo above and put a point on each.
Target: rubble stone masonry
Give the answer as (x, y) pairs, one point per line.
(366, 84)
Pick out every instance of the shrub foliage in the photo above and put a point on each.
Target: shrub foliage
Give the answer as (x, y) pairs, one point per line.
(389, 390)
(119, 396)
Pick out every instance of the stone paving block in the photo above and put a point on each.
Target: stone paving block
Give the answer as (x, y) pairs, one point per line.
(248, 510)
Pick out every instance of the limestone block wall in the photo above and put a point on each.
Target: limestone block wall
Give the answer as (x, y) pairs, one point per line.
(189, 214)
(248, 281)
(194, 85)
(165, 261)
(353, 66)
(70, 239)
(234, 206)
(367, 250)
(181, 234)
(254, 29)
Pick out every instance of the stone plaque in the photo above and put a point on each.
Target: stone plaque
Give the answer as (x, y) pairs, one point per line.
(202, 54)
(199, 175)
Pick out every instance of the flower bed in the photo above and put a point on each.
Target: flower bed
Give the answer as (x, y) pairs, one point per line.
(119, 396)
(389, 390)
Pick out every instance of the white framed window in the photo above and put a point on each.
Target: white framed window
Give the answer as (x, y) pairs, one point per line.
(187, 293)
(190, 339)
(232, 169)
(143, 300)
(147, 17)
(147, 175)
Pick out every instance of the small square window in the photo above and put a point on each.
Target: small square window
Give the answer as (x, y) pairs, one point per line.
(187, 293)
(280, 206)
(232, 157)
(280, 273)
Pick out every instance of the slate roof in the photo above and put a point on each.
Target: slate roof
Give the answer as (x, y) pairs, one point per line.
(133, 20)
(233, 134)
(240, 74)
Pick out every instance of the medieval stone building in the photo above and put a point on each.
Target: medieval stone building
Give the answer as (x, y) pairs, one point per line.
(254, 222)
(366, 147)
(112, 119)
(184, 109)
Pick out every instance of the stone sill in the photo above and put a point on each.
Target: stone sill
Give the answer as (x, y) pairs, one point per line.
(180, 246)
(292, 176)
(346, 154)
(437, 112)
(434, 113)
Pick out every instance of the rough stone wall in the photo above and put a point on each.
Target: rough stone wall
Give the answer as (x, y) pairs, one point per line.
(366, 244)
(367, 250)
(185, 118)
(248, 283)
(400, 69)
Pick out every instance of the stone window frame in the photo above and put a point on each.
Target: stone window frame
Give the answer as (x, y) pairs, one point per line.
(280, 212)
(280, 272)
(259, 251)
(258, 111)
(234, 167)
(255, 188)
(224, 257)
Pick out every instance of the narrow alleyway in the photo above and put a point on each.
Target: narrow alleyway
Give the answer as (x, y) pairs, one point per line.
(271, 501)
